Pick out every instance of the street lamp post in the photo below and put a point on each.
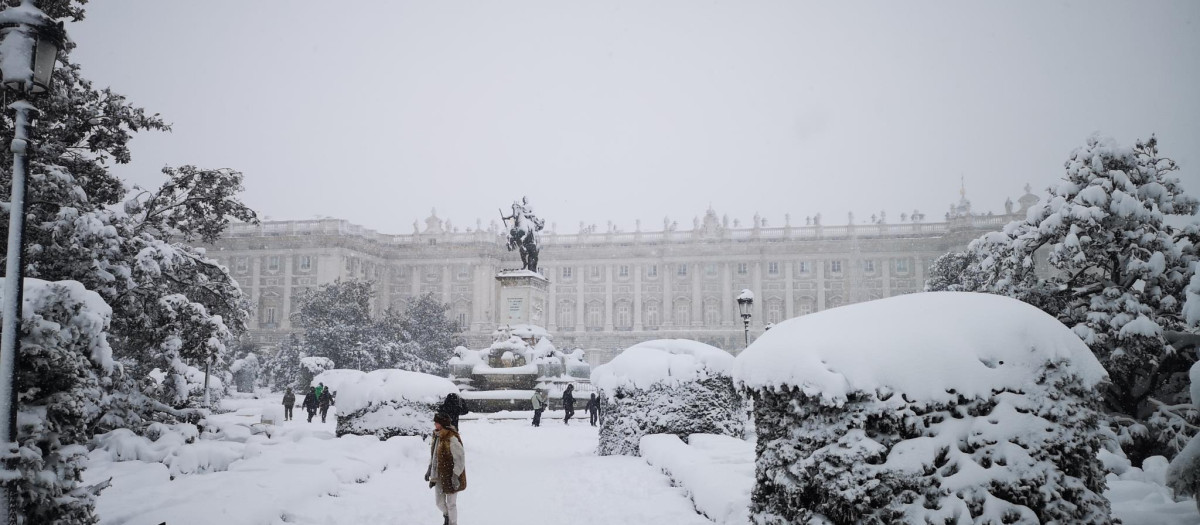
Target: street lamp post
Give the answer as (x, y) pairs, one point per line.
(745, 302)
(29, 46)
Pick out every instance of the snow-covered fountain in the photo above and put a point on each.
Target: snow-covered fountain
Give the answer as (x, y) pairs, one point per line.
(522, 355)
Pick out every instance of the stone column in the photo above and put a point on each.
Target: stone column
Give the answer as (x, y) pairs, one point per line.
(756, 319)
(886, 273)
(481, 294)
(447, 285)
(697, 297)
(385, 288)
(789, 299)
(255, 291)
(285, 309)
(819, 266)
(552, 303)
(637, 297)
(415, 286)
(668, 306)
(728, 307)
(608, 298)
(579, 284)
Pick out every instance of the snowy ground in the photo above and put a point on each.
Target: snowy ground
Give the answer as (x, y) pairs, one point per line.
(517, 474)
(303, 474)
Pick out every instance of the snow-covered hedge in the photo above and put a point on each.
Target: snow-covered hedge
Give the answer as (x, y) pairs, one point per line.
(666, 386)
(935, 407)
(716, 471)
(386, 403)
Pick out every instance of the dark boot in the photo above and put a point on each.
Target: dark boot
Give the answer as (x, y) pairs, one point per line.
(445, 519)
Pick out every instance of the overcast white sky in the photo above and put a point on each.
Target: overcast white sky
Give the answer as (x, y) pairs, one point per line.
(377, 111)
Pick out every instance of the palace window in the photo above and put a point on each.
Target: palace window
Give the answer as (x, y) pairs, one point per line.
(624, 316)
(710, 269)
(652, 270)
(566, 316)
(773, 268)
(595, 272)
(269, 315)
(742, 268)
(774, 311)
(835, 266)
(566, 272)
(305, 263)
(462, 320)
(595, 316)
(623, 271)
(682, 271)
(241, 265)
(712, 314)
(652, 316)
(273, 263)
(804, 267)
(902, 265)
(683, 313)
(869, 266)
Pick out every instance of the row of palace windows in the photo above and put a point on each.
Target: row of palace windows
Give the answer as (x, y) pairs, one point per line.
(622, 315)
(773, 268)
(272, 263)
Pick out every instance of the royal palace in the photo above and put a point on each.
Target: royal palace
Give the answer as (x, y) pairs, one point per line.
(607, 289)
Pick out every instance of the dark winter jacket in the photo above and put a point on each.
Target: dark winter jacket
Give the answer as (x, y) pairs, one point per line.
(310, 400)
(454, 406)
(326, 399)
(289, 399)
(568, 399)
(593, 405)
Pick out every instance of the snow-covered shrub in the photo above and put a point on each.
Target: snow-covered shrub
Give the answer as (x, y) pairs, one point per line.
(942, 407)
(666, 386)
(64, 362)
(310, 368)
(245, 372)
(386, 403)
(1184, 473)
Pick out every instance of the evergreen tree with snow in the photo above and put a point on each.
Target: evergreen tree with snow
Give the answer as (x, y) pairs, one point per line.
(283, 368)
(1113, 270)
(337, 324)
(172, 308)
(429, 336)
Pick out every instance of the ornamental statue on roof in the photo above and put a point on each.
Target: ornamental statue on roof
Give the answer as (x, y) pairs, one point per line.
(523, 227)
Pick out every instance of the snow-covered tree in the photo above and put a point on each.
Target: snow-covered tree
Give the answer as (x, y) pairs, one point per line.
(245, 372)
(1183, 475)
(1114, 271)
(64, 365)
(283, 367)
(337, 324)
(429, 336)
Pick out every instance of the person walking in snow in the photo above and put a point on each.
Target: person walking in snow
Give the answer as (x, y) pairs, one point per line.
(539, 405)
(310, 403)
(568, 403)
(593, 408)
(447, 472)
(289, 401)
(454, 406)
(324, 399)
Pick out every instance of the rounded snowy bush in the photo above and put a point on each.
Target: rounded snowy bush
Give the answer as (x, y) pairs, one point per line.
(385, 403)
(667, 386)
(925, 408)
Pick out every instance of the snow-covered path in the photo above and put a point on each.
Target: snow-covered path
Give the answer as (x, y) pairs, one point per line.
(516, 475)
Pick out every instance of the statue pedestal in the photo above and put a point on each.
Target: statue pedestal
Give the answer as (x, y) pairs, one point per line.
(522, 298)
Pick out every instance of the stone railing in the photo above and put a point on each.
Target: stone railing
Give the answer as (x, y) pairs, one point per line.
(785, 233)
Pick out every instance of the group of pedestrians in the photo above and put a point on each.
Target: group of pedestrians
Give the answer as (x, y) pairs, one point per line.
(319, 398)
(541, 402)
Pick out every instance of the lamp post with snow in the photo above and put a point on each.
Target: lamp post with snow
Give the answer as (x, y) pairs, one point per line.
(745, 302)
(29, 45)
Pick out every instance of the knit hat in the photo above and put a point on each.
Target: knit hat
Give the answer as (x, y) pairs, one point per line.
(443, 419)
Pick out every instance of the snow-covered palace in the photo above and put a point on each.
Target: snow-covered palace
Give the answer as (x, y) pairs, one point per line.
(608, 289)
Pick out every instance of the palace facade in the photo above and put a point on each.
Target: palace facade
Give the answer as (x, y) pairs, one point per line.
(608, 290)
